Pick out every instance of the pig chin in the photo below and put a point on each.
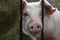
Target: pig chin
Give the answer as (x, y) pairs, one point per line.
(36, 34)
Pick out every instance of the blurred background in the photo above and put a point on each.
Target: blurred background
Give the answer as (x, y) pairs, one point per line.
(55, 3)
(9, 18)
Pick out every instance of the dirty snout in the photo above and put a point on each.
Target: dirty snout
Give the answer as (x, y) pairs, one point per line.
(34, 27)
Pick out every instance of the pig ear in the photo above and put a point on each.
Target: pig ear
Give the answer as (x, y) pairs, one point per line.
(24, 3)
(49, 8)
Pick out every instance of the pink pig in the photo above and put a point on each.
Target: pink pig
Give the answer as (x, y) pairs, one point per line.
(32, 24)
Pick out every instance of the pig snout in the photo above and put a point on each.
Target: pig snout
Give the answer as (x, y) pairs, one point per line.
(34, 27)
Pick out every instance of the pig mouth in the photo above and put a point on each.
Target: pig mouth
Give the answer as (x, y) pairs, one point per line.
(35, 33)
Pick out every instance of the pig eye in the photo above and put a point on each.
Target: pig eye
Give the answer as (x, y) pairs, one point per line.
(25, 14)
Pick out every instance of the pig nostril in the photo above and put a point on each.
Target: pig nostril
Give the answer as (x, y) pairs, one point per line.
(38, 26)
(32, 27)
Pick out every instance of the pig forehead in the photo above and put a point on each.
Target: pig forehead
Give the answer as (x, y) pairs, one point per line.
(34, 10)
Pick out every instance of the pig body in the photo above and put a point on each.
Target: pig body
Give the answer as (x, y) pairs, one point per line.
(52, 25)
(32, 17)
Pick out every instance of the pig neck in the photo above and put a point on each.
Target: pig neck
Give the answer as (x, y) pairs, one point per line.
(49, 27)
(52, 25)
(48, 22)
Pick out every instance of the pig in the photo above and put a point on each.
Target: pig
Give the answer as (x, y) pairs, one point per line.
(32, 24)
(31, 19)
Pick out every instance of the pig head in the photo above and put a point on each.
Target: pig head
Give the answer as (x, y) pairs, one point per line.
(32, 19)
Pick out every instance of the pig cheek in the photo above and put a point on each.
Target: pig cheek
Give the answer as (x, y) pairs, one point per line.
(25, 21)
(25, 26)
(25, 18)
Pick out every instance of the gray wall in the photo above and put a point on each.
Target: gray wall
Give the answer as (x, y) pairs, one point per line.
(55, 3)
